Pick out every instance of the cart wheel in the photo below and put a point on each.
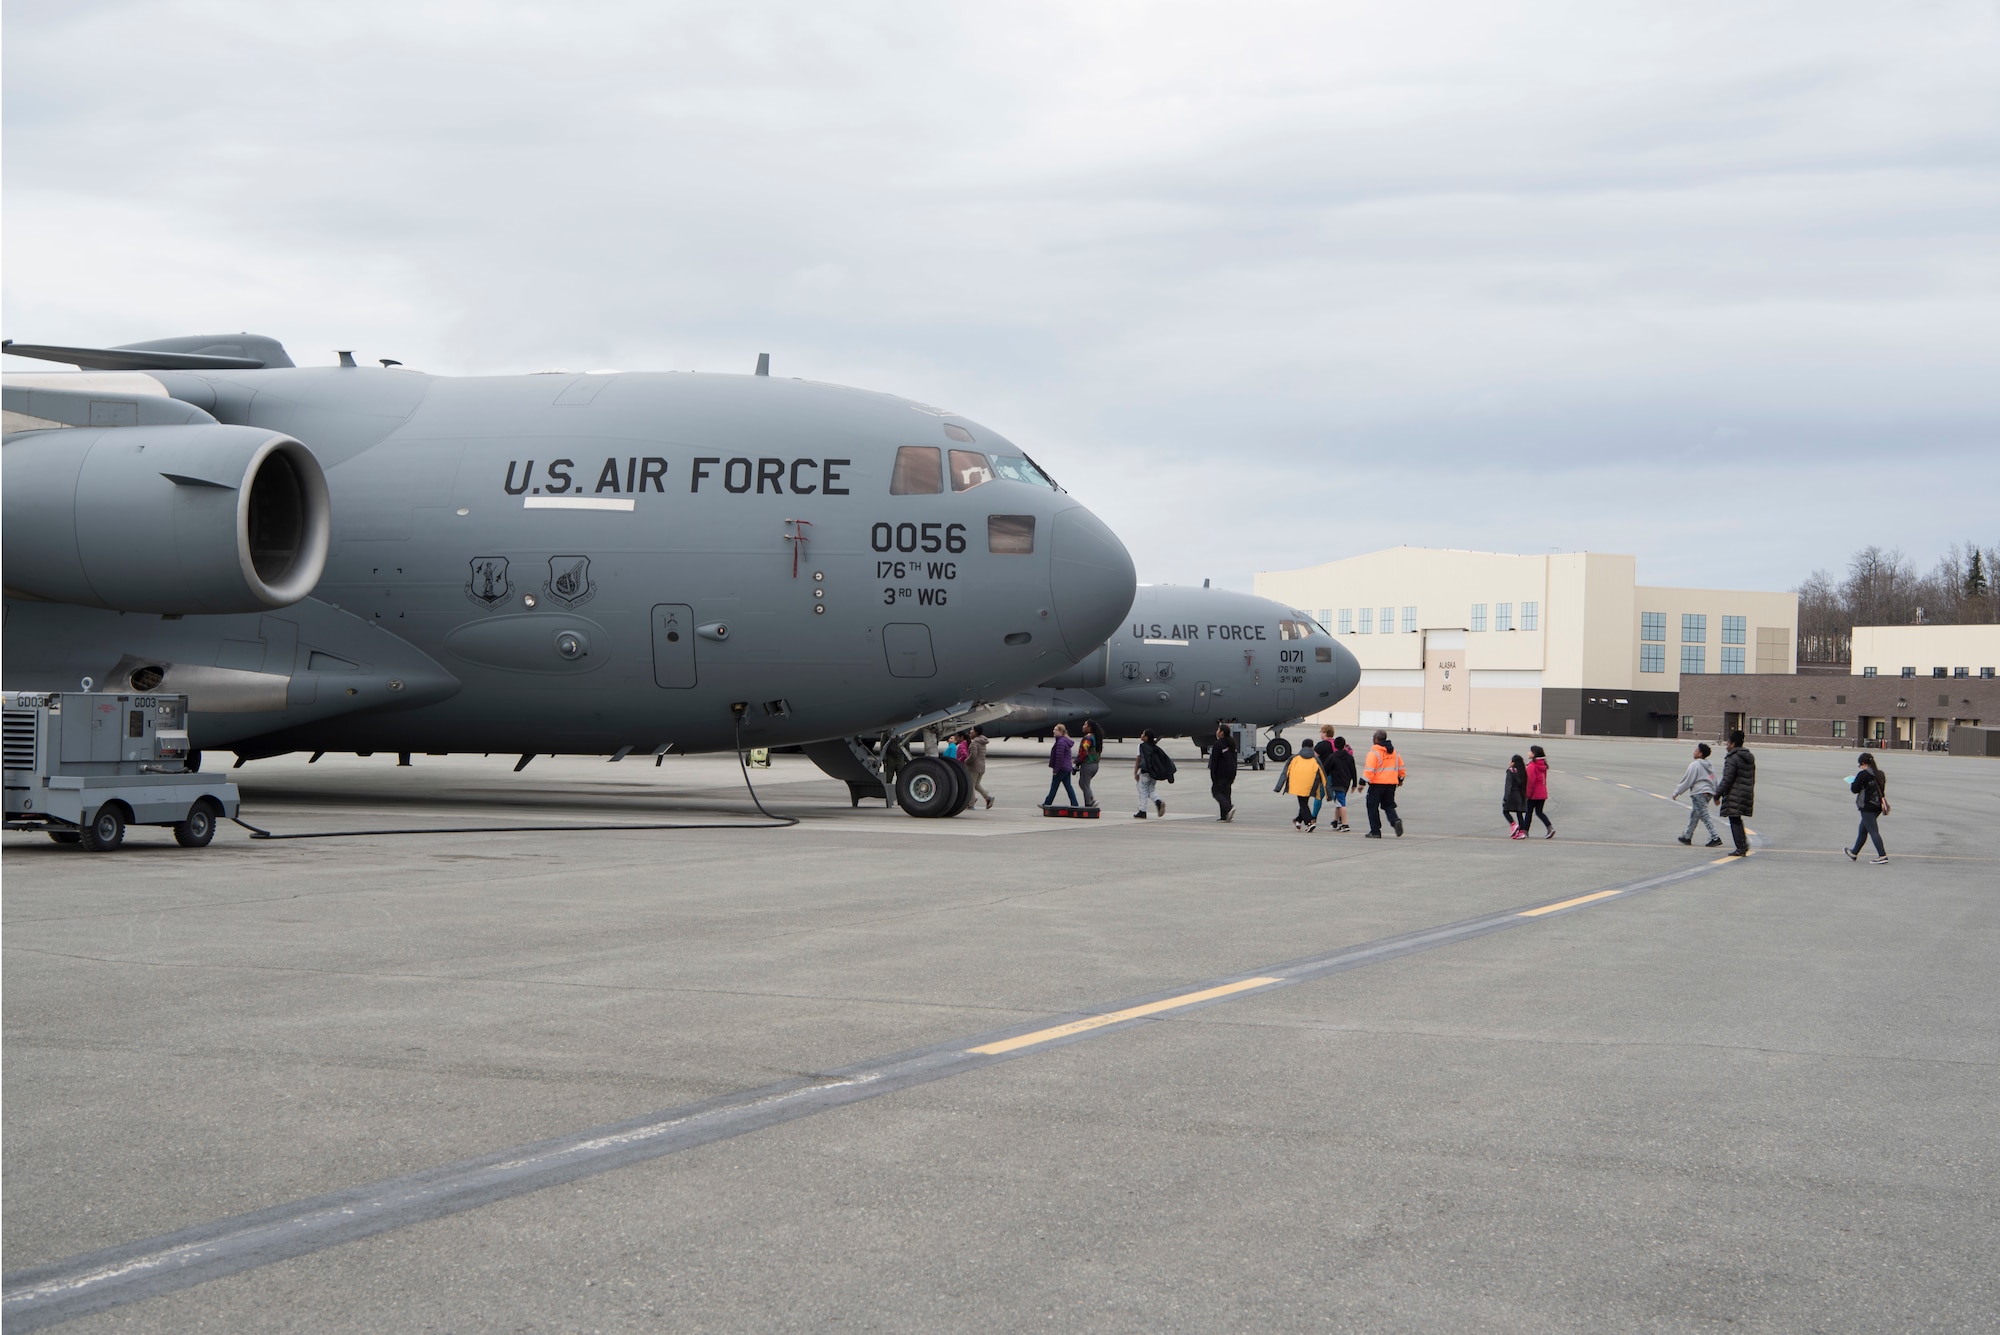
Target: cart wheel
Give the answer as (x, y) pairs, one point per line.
(199, 827)
(65, 836)
(1278, 749)
(106, 829)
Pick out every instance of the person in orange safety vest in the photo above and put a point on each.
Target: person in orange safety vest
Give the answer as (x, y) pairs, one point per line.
(1383, 774)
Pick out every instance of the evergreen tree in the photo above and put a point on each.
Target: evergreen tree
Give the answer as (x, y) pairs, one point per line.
(1975, 575)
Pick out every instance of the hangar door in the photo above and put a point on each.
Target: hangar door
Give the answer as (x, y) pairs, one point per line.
(673, 645)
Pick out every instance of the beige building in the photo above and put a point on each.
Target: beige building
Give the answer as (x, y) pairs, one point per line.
(1926, 651)
(1564, 643)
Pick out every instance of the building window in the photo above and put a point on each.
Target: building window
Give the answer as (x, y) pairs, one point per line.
(1531, 616)
(1409, 621)
(1687, 723)
(1868, 672)
(1387, 626)
(1909, 672)
(1732, 630)
(1791, 727)
(1503, 616)
(1732, 658)
(1840, 727)
(1755, 727)
(1939, 672)
(1346, 621)
(1694, 658)
(1367, 621)
(1652, 658)
(1986, 674)
(1479, 616)
(1694, 628)
(1961, 672)
(1653, 626)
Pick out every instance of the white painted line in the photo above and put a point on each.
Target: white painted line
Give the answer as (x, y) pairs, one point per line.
(574, 503)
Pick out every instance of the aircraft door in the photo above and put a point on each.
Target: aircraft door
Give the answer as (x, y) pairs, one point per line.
(1201, 697)
(673, 646)
(907, 646)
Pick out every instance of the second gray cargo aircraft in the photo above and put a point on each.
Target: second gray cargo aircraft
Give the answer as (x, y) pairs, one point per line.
(1185, 659)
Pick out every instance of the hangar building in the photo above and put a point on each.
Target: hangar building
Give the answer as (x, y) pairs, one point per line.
(1558, 643)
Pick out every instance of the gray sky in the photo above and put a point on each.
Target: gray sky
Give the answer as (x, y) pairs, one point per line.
(1717, 284)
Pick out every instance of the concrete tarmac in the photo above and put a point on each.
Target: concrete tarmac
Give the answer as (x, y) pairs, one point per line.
(1760, 1098)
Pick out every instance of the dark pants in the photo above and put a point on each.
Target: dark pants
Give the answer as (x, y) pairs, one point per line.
(1060, 779)
(1868, 831)
(1381, 798)
(1535, 805)
(1305, 810)
(1736, 833)
(1223, 790)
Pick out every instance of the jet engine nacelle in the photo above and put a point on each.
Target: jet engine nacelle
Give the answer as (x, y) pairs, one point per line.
(169, 519)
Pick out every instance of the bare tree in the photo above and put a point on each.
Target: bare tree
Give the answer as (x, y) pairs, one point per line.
(1824, 628)
(1882, 588)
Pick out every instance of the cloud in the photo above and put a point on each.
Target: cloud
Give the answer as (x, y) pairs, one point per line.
(1714, 284)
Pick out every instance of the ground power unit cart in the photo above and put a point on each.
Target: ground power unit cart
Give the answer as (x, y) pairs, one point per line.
(82, 766)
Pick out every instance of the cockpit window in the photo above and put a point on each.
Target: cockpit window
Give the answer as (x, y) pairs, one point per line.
(953, 431)
(918, 472)
(1019, 468)
(1010, 535)
(968, 470)
(1323, 654)
(1293, 630)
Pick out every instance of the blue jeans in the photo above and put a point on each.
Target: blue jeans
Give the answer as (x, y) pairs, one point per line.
(1060, 779)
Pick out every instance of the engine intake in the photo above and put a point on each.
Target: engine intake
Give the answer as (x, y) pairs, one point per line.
(169, 519)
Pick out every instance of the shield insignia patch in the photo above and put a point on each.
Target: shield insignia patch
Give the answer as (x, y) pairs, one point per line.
(569, 580)
(489, 585)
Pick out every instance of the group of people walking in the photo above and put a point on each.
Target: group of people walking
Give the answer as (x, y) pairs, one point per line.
(1325, 773)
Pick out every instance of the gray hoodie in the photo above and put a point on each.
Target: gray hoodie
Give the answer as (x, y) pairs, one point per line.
(1699, 780)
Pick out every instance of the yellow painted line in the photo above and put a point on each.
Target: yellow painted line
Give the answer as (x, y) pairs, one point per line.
(1133, 1013)
(1569, 903)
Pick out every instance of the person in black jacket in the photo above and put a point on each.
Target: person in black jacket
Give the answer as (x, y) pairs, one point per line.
(1869, 788)
(1338, 762)
(1222, 771)
(1736, 795)
(1514, 799)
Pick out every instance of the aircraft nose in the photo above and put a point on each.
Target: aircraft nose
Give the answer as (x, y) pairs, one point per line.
(1346, 673)
(1091, 580)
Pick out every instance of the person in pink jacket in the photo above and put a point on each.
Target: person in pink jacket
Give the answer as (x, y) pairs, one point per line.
(1538, 791)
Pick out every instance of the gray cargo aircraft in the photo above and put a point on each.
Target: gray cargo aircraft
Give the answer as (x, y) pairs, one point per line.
(1185, 659)
(372, 559)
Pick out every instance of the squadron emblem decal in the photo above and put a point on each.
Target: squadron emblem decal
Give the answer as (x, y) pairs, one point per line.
(569, 580)
(489, 585)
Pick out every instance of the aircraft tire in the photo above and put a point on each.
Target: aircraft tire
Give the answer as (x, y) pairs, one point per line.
(964, 781)
(927, 788)
(1278, 749)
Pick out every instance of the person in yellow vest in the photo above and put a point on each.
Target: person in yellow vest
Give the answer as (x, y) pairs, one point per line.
(1382, 774)
(1305, 780)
